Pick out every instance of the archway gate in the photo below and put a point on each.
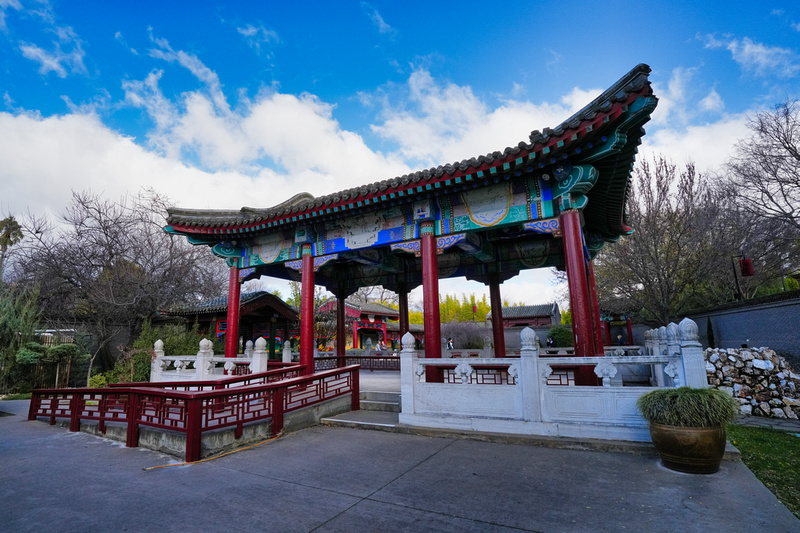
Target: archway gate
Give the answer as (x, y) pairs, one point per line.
(551, 201)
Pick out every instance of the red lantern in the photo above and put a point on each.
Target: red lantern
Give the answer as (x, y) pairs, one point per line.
(746, 267)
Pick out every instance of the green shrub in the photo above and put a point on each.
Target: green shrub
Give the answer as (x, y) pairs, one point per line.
(31, 353)
(66, 352)
(98, 381)
(688, 407)
(562, 335)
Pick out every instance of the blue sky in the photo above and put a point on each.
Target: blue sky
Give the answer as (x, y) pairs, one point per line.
(222, 105)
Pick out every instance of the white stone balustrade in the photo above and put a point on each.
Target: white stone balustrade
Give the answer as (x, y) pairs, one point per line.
(524, 404)
(205, 365)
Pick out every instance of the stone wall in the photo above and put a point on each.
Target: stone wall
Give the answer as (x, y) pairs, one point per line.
(762, 382)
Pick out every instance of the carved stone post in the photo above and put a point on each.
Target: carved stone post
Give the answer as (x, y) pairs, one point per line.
(287, 352)
(674, 352)
(407, 359)
(694, 365)
(202, 363)
(260, 357)
(155, 365)
(528, 377)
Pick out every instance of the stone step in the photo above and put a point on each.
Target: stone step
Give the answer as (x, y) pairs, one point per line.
(380, 396)
(363, 419)
(367, 405)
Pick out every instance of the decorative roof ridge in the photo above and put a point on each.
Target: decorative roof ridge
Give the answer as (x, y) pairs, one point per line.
(287, 205)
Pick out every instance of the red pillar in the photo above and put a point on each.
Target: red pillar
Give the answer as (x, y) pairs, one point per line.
(595, 308)
(355, 334)
(232, 327)
(307, 311)
(430, 291)
(402, 300)
(630, 331)
(497, 317)
(607, 323)
(578, 293)
(341, 331)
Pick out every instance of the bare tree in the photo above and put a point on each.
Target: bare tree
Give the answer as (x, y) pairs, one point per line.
(677, 249)
(765, 172)
(376, 294)
(108, 266)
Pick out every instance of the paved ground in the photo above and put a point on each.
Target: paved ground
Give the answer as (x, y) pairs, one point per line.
(341, 479)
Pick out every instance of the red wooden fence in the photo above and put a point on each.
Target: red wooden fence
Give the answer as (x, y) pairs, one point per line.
(194, 411)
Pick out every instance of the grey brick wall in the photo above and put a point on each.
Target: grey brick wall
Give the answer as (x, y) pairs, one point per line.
(774, 325)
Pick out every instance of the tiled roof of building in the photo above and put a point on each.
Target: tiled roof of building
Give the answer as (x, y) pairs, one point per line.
(541, 149)
(528, 311)
(373, 308)
(220, 304)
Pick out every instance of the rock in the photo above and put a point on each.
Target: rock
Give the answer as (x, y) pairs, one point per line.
(791, 402)
(728, 390)
(778, 413)
(763, 365)
(710, 369)
(714, 358)
(789, 413)
(765, 408)
(746, 410)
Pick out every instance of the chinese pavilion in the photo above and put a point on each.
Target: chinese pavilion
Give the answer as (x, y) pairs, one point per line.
(553, 200)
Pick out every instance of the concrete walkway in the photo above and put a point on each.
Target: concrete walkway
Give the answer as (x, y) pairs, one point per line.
(341, 479)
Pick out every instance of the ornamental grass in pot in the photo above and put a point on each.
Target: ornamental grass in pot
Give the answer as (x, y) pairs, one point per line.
(687, 426)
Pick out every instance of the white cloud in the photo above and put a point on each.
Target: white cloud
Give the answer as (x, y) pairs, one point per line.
(709, 145)
(378, 21)
(43, 159)
(712, 102)
(121, 40)
(293, 134)
(63, 56)
(448, 123)
(47, 62)
(259, 37)
(757, 58)
(673, 100)
(5, 5)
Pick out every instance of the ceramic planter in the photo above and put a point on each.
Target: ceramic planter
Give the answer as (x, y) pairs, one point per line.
(691, 450)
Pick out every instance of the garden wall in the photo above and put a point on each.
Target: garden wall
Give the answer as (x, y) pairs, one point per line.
(772, 321)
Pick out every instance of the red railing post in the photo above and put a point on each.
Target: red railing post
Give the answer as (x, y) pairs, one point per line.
(132, 438)
(355, 398)
(36, 403)
(278, 398)
(75, 412)
(194, 430)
